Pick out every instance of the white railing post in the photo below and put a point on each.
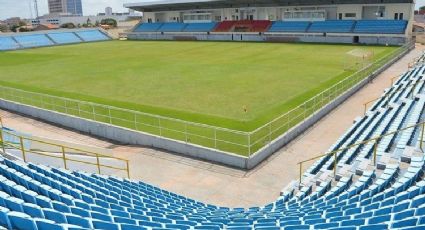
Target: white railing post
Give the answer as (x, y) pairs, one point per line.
(135, 121)
(249, 145)
(270, 132)
(159, 126)
(79, 110)
(215, 138)
(94, 113)
(110, 116)
(185, 132)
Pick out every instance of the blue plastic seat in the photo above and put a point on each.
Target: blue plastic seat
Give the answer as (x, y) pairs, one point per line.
(32, 210)
(132, 227)
(374, 227)
(405, 223)
(84, 222)
(4, 219)
(105, 225)
(21, 221)
(55, 216)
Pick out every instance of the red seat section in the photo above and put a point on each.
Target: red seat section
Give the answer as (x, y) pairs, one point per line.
(243, 26)
(225, 26)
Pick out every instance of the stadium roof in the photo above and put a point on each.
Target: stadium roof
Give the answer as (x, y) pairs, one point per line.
(170, 5)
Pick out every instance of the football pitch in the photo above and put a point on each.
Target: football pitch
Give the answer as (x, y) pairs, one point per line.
(239, 86)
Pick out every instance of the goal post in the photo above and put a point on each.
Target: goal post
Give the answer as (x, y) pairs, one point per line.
(357, 59)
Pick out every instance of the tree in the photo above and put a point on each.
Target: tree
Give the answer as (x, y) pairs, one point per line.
(422, 8)
(14, 28)
(68, 25)
(22, 23)
(4, 28)
(109, 21)
(23, 29)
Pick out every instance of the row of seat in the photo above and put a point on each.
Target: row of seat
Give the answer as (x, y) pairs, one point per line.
(31, 40)
(175, 27)
(362, 196)
(328, 26)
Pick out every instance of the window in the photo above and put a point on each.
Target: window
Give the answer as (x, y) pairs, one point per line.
(398, 16)
(350, 15)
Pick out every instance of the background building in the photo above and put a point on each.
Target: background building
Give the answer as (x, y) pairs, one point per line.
(73, 7)
(108, 11)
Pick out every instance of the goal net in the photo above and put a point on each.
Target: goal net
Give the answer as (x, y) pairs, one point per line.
(357, 59)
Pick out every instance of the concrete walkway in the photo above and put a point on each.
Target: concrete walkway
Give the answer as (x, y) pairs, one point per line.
(221, 185)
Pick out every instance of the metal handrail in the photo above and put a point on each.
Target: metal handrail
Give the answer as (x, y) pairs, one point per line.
(375, 148)
(387, 95)
(63, 152)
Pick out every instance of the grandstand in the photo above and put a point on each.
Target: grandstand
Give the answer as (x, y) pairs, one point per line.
(51, 38)
(353, 21)
(378, 184)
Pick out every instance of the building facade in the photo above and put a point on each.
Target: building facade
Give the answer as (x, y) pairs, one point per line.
(72, 7)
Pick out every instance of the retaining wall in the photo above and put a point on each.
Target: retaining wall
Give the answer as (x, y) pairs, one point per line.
(273, 37)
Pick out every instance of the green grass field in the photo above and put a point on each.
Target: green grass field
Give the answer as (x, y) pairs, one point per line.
(205, 82)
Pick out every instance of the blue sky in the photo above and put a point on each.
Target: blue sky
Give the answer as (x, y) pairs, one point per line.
(21, 8)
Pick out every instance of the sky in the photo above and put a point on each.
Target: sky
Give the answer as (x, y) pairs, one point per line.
(21, 8)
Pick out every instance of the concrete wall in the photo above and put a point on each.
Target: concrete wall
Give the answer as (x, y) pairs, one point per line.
(125, 136)
(273, 37)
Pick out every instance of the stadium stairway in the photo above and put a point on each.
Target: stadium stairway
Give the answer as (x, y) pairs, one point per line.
(360, 197)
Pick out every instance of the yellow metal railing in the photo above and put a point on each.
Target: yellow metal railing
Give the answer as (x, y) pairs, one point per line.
(366, 104)
(375, 147)
(63, 151)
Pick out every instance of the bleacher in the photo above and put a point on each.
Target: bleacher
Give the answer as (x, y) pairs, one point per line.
(64, 38)
(34, 40)
(7, 43)
(362, 196)
(328, 26)
(172, 27)
(200, 27)
(148, 27)
(50, 38)
(224, 26)
(175, 27)
(380, 26)
(332, 26)
(92, 35)
(289, 26)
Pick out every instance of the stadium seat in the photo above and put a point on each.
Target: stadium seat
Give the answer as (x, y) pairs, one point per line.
(7, 43)
(64, 38)
(92, 35)
(289, 26)
(35, 40)
(380, 26)
(200, 27)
